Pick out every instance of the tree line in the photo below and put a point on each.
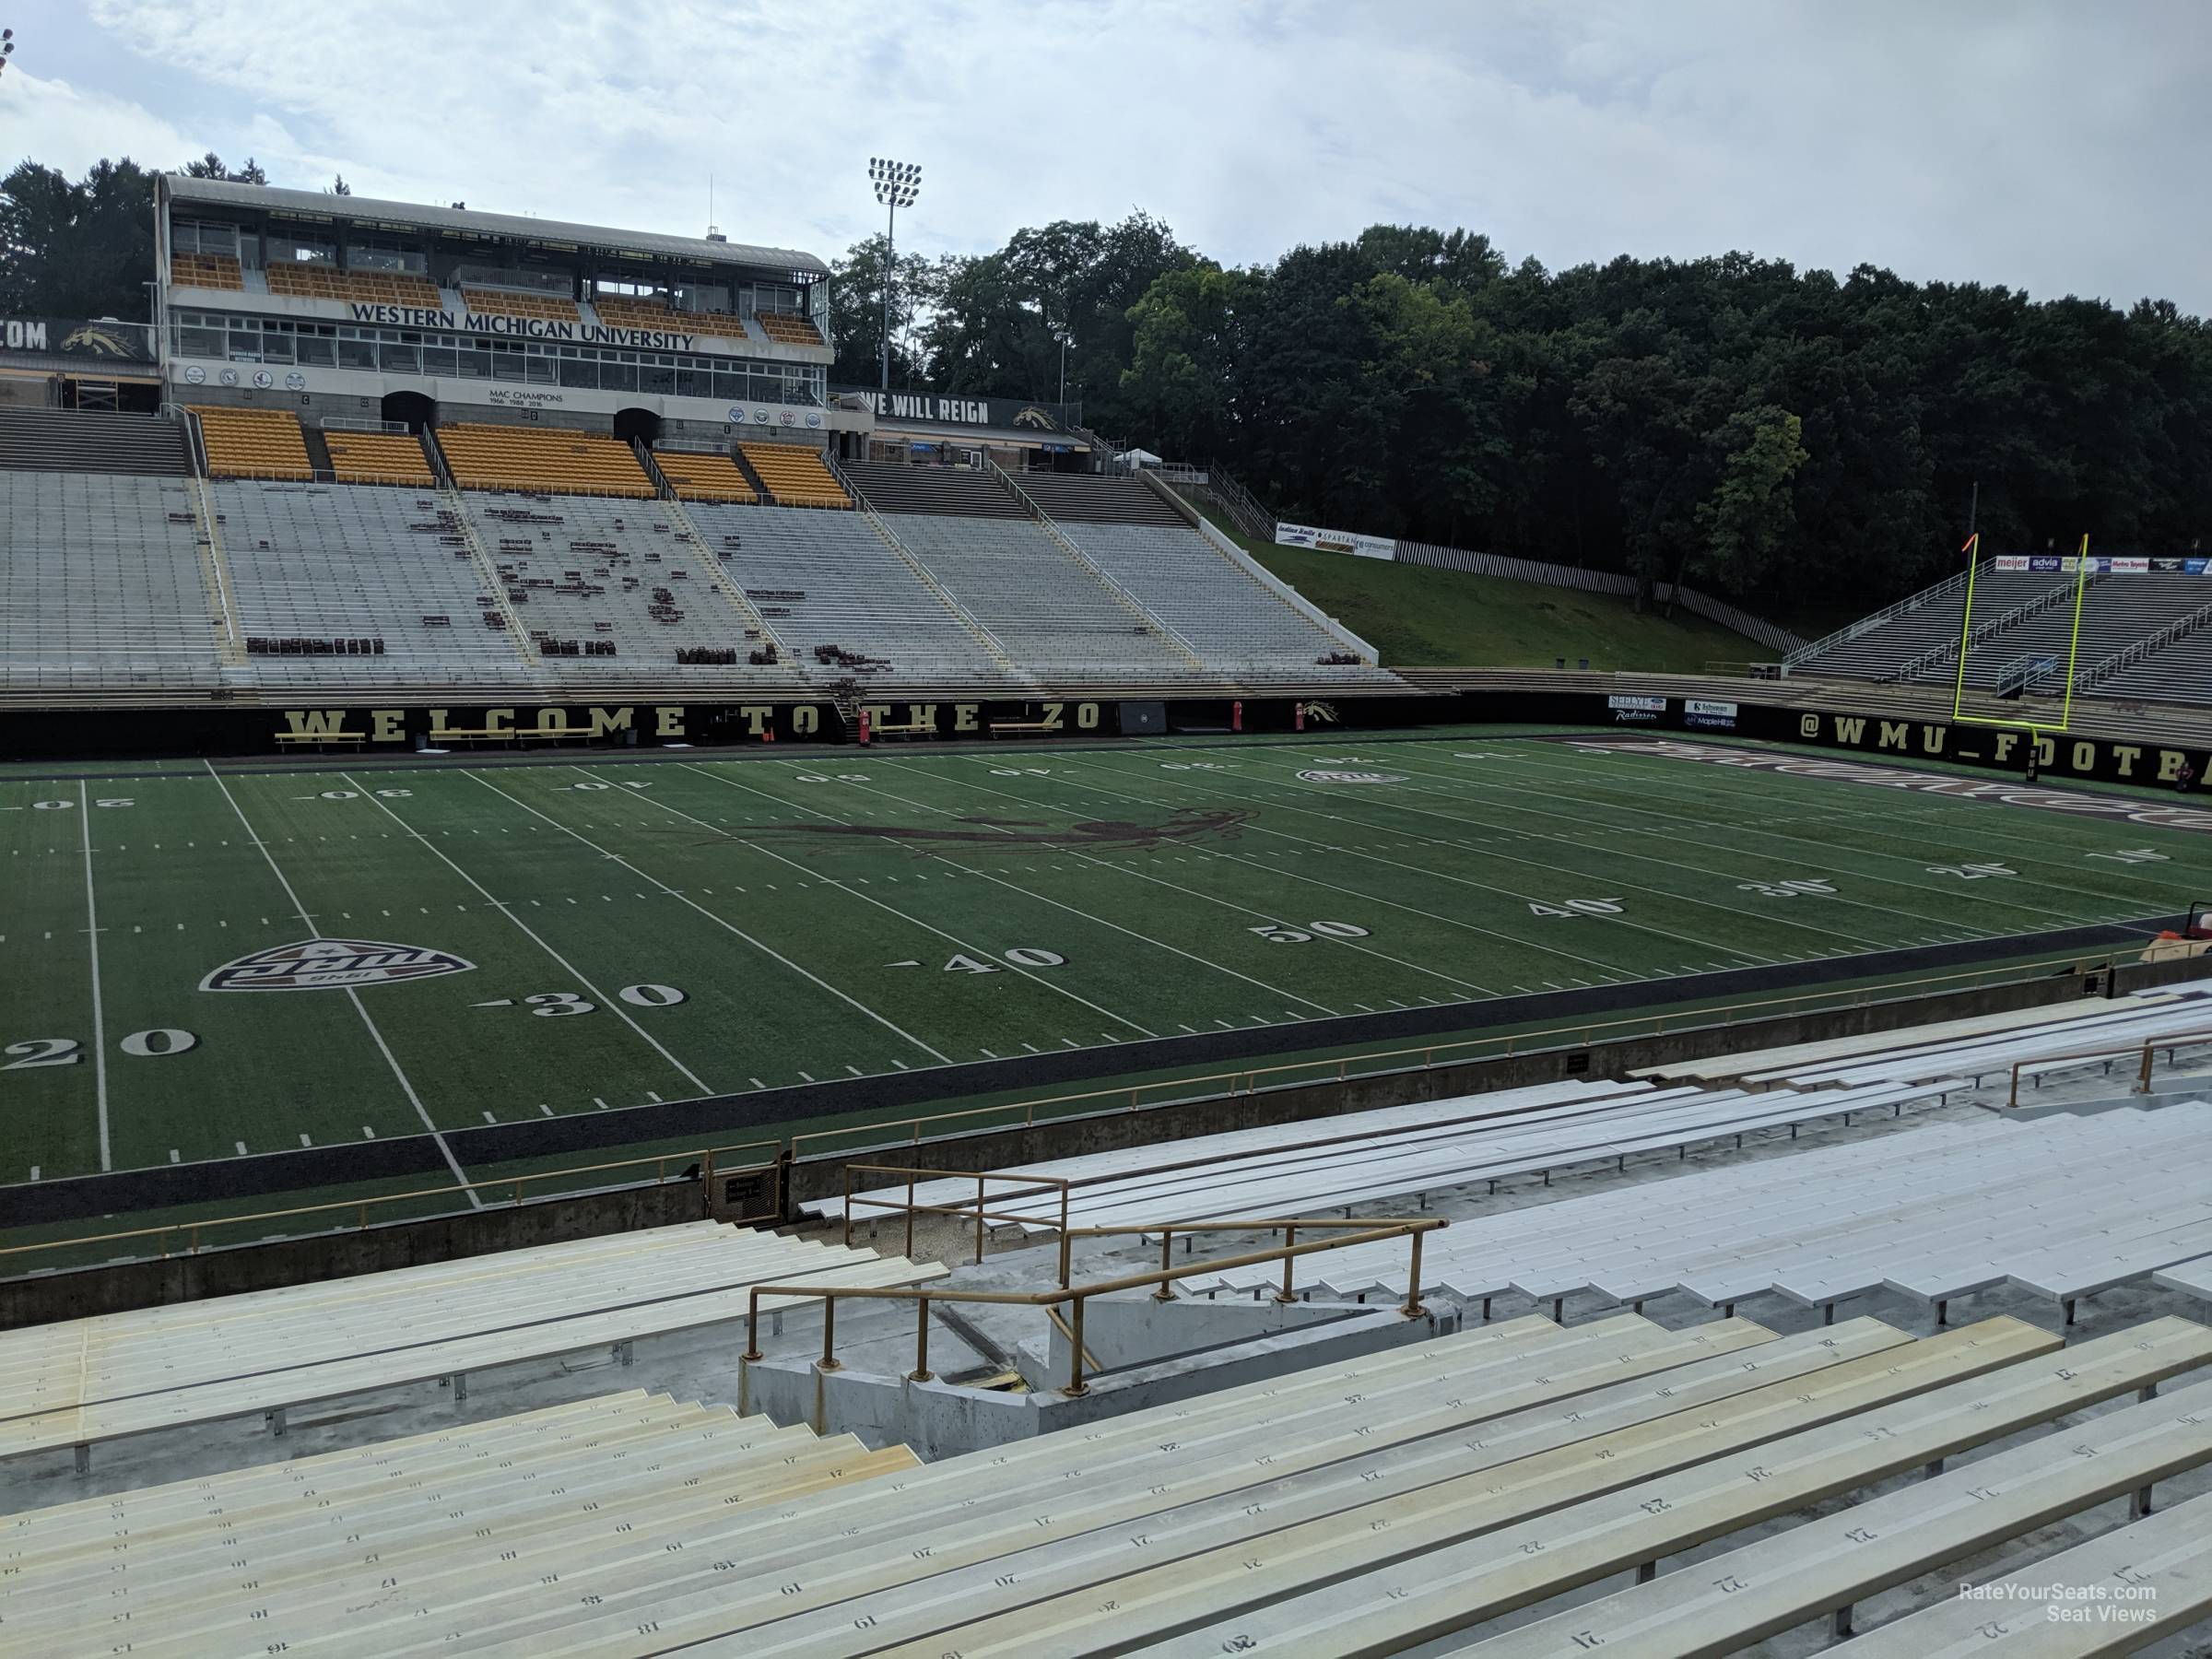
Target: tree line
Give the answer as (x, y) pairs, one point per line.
(1791, 439)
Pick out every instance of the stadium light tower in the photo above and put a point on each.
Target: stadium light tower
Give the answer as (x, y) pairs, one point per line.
(8, 47)
(897, 185)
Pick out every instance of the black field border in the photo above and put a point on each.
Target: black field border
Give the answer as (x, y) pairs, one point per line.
(721, 1117)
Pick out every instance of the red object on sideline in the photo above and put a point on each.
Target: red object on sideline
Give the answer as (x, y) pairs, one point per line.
(1298, 717)
(1236, 715)
(864, 728)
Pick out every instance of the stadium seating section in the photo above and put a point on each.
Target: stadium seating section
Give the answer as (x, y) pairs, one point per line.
(698, 476)
(101, 582)
(548, 308)
(794, 474)
(620, 311)
(253, 443)
(787, 328)
(551, 459)
(2024, 637)
(305, 281)
(205, 270)
(378, 457)
(332, 556)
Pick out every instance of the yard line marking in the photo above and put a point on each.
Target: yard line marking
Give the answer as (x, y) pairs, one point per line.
(765, 949)
(100, 1022)
(172, 1159)
(241, 1148)
(305, 1142)
(352, 996)
(546, 1111)
(1267, 916)
(1041, 898)
(604, 1001)
(953, 939)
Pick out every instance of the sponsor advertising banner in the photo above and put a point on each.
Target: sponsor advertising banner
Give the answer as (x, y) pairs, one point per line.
(1334, 541)
(2012, 561)
(74, 336)
(1643, 710)
(1709, 716)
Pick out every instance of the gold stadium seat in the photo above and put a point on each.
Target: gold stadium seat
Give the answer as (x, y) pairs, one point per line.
(253, 443)
(624, 311)
(550, 308)
(787, 328)
(205, 270)
(794, 474)
(699, 477)
(301, 280)
(547, 460)
(378, 458)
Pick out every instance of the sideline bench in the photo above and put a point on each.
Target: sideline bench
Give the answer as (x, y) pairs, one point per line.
(1018, 727)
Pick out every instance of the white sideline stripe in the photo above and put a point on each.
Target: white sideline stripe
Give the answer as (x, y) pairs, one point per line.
(763, 948)
(507, 910)
(352, 996)
(100, 1022)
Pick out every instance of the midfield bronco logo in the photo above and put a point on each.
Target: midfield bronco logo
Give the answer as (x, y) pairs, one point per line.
(332, 965)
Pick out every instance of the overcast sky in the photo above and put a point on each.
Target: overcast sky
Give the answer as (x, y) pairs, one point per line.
(2056, 148)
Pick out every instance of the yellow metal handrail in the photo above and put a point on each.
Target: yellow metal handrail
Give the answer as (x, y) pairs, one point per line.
(1368, 1231)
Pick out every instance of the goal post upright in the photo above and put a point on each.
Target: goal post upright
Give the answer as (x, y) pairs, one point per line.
(2034, 728)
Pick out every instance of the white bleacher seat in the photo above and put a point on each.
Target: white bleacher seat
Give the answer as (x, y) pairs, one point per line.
(101, 582)
(84, 1381)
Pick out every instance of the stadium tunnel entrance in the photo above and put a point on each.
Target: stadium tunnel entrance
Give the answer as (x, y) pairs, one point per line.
(417, 411)
(637, 426)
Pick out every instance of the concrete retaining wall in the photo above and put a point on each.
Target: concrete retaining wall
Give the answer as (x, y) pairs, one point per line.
(942, 1420)
(41, 1298)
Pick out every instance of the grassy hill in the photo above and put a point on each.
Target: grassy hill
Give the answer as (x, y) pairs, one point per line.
(1418, 617)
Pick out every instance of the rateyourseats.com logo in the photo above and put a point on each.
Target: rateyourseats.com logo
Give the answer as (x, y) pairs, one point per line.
(332, 965)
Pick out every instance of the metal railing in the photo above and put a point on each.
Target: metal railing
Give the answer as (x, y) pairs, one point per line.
(706, 1158)
(1076, 1297)
(2170, 1041)
(1867, 624)
(2180, 627)
(2019, 613)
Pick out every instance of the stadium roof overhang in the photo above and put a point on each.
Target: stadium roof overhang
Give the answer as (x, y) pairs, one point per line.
(554, 235)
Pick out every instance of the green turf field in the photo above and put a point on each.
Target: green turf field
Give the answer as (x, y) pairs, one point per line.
(579, 938)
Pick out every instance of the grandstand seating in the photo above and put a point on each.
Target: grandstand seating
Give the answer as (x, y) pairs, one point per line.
(794, 474)
(1367, 1506)
(624, 311)
(603, 579)
(81, 1383)
(252, 443)
(698, 476)
(88, 441)
(511, 303)
(555, 460)
(956, 492)
(1096, 498)
(100, 581)
(1882, 650)
(828, 581)
(378, 457)
(206, 271)
(304, 280)
(2180, 672)
(318, 562)
(626, 1456)
(788, 328)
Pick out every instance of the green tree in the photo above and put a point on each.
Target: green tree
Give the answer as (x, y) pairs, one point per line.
(77, 250)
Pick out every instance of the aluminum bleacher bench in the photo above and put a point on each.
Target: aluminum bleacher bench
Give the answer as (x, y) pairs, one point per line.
(1000, 728)
(319, 739)
(1729, 1601)
(84, 1381)
(2155, 1577)
(1407, 1570)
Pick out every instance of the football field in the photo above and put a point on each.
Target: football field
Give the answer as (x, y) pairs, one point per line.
(202, 964)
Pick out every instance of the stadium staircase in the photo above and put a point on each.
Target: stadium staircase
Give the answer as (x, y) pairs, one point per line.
(983, 636)
(318, 459)
(759, 486)
(687, 531)
(1127, 600)
(215, 573)
(518, 637)
(79, 440)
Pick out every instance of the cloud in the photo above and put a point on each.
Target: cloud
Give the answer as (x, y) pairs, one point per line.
(2036, 145)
